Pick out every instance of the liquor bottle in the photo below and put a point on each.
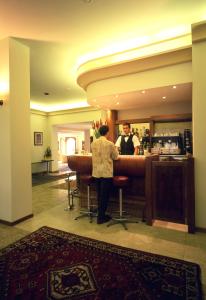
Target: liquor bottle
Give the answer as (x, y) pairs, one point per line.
(140, 133)
(143, 131)
(141, 149)
(148, 147)
(147, 132)
(137, 132)
(187, 141)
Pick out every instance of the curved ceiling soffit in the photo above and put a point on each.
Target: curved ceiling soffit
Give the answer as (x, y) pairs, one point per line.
(94, 74)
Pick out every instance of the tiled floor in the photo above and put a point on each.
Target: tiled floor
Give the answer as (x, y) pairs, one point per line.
(49, 201)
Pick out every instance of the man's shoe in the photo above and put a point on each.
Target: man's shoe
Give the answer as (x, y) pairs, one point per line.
(104, 219)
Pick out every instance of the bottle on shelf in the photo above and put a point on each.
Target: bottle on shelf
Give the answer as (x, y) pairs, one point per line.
(140, 134)
(137, 132)
(148, 147)
(141, 149)
(147, 133)
(187, 141)
(143, 131)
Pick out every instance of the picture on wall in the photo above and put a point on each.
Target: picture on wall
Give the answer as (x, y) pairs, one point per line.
(38, 138)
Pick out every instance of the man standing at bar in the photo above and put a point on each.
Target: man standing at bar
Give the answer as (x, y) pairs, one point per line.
(127, 143)
(103, 154)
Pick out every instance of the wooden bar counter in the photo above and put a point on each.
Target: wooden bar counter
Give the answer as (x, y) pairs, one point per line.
(160, 188)
(136, 197)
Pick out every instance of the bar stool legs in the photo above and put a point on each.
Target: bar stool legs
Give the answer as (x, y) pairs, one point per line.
(71, 192)
(120, 181)
(90, 212)
(119, 219)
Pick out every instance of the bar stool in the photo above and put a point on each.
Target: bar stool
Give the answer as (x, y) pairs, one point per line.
(120, 182)
(90, 212)
(71, 192)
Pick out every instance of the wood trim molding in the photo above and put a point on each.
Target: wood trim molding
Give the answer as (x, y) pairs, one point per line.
(38, 112)
(135, 66)
(200, 229)
(64, 112)
(161, 118)
(175, 117)
(133, 121)
(17, 221)
(199, 32)
(73, 111)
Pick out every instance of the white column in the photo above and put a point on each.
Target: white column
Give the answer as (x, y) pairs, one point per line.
(15, 149)
(199, 117)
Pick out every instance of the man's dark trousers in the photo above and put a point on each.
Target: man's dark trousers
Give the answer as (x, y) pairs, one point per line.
(103, 187)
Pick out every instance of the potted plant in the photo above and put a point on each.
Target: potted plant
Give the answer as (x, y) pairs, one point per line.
(47, 153)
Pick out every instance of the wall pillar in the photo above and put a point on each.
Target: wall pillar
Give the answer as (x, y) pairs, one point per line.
(15, 150)
(111, 121)
(199, 116)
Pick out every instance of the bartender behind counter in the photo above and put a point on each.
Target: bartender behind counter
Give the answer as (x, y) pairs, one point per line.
(127, 143)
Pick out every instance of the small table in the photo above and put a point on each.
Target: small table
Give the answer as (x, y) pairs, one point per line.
(47, 161)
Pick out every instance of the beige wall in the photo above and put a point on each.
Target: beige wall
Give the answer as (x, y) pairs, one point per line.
(39, 123)
(47, 123)
(199, 133)
(15, 158)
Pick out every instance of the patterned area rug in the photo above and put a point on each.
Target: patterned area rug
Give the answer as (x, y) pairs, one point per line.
(52, 264)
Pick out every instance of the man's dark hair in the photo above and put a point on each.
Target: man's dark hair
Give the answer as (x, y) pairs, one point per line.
(103, 130)
(126, 124)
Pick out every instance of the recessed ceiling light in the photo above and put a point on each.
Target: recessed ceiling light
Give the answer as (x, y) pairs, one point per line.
(117, 103)
(164, 97)
(46, 93)
(143, 92)
(116, 96)
(174, 87)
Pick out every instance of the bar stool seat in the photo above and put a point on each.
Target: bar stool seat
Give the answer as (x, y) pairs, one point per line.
(86, 179)
(90, 212)
(120, 182)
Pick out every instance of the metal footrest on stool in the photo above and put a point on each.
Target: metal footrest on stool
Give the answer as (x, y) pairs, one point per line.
(92, 213)
(121, 220)
(120, 182)
(71, 193)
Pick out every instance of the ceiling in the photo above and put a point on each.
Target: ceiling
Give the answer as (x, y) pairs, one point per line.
(63, 34)
(150, 97)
